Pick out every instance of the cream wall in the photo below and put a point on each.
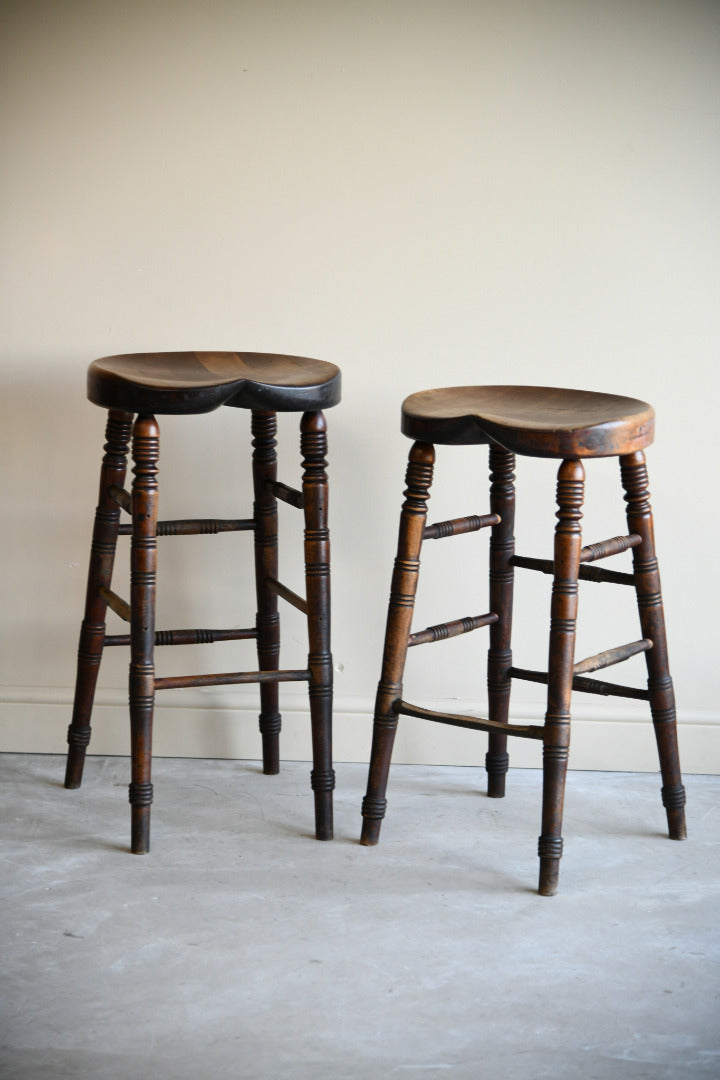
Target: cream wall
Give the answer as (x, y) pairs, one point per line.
(425, 193)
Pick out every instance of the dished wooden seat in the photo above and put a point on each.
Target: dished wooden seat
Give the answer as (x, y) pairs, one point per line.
(539, 421)
(198, 382)
(133, 388)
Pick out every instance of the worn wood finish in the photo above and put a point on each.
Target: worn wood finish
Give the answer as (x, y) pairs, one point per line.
(459, 526)
(587, 573)
(188, 637)
(116, 603)
(201, 526)
(443, 631)
(287, 495)
(122, 497)
(477, 723)
(502, 549)
(264, 466)
(313, 445)
(563, 616)
(140, 385)
(102, 558)
(605, 548)
(540, 421)
(397, 634)
(586, 686)
(291, 597)
(232, 678)
(143, 567)
(633, 471)
(608, 657)
(197, 382)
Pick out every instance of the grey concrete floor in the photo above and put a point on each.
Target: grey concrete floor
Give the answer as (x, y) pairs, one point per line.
(241, 947)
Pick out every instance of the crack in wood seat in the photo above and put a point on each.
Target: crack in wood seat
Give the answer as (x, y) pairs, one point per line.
(539, 421)
(198, 382)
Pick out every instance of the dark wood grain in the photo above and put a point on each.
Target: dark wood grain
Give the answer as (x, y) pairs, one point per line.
(197, 382)
(313, 444)
(143, 568)
(539, 421)
(502, 549)
(633, 470)
(413, 518)
(264, 429)
(563, 617)
(141, 385)
(102, 558)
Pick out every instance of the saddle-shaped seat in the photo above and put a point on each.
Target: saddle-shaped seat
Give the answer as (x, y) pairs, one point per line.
(198, 382)
(540, 421)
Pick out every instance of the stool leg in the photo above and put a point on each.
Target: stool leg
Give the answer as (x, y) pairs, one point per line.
(143, 566)
(313, 443)
(399, 619)
(264, 428)
(102, 557)
(634, 476)
(502, 549)
(563, 615)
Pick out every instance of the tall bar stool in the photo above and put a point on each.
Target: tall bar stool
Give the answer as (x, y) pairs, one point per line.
(133, 388)
(536, 422)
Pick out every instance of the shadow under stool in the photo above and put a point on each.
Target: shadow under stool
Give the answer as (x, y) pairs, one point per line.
(134, 389)
(544, 422)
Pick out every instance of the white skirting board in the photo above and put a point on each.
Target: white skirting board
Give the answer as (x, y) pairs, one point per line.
(222, 722)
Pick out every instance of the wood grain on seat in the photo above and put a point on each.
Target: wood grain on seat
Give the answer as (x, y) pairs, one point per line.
(196, 382)
(540, 421)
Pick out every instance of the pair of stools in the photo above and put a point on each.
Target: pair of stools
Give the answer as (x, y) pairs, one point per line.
(568, 425)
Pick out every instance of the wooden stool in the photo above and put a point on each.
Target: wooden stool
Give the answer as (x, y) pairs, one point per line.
(537, 422)
(139, 386)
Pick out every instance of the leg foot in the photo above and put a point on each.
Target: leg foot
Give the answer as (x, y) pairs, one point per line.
(550, 852)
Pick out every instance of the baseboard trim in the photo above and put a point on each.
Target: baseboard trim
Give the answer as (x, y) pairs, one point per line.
(223, 723)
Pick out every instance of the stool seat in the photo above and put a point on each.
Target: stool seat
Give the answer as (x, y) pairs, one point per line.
(198, 382)
(539, 421)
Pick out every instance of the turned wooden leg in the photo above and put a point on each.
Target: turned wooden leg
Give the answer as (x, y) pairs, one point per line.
(634, 475)
(563, 616)
(502, 549)
(102, 557)
(143, 565)
(313, 443)
(399, 620)
(264, 428)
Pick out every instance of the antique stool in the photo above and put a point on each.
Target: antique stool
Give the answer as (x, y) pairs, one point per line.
(139, 386)
(537, 422)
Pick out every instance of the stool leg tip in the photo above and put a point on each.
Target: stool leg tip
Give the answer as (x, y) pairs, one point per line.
(549, 877)
(677, 829)
(496, 787)
(370, 833)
